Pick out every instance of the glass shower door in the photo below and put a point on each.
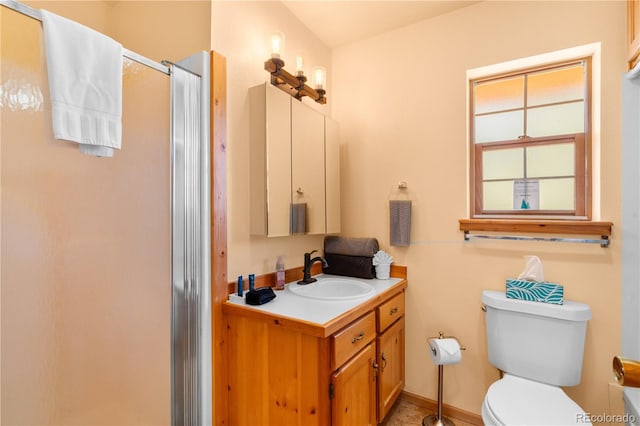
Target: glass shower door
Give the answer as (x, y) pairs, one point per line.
(85, 253)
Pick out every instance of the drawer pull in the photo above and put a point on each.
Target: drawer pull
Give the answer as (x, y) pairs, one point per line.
(393, 311)
(358, 337)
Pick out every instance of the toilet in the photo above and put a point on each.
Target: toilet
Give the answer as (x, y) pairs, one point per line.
(538, 347)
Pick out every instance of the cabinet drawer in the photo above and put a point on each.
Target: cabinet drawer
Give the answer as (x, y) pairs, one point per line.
(390, 311)
(348, 341)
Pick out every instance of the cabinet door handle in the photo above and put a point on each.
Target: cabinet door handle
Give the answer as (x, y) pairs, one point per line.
(393, 311)
(358, 337)
(375, 371)
(384, 361)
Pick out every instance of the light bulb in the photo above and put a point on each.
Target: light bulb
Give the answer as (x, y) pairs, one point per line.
(299, 65)
(319, 77)
(277, 44)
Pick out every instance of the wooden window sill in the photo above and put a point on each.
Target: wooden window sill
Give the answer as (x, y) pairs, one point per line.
(570, 227)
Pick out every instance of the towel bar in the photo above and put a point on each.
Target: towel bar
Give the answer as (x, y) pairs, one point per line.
(35, 14)
(603, 241)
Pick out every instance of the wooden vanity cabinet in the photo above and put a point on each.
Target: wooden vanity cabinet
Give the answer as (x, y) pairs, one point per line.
(347, 372)
(390, 359)
(351, 339)
(353, 399)
(353, 358)
(367, 386)
(390, 343)
(278, 375)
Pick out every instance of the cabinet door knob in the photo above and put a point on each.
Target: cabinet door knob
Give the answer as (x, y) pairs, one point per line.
(358, 337)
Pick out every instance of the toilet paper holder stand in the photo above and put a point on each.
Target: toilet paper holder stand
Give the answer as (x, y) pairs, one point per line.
(442, 336)
(438, 419)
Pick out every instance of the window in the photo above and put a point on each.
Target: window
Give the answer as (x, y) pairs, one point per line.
(530, 143)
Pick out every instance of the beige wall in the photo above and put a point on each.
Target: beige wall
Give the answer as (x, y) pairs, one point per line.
(401, 96)
(160, 30)
(94, 15)
(240, 32)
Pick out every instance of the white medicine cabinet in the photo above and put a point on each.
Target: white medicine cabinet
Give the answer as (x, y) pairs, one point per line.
(332, 175)
(294, 166)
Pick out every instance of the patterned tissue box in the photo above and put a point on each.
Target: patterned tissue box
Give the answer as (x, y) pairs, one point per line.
(534, 291)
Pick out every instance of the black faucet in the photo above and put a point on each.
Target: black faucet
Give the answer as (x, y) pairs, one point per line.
(308, 261)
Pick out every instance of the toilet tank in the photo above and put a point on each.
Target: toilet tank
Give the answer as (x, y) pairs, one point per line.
(537, 341)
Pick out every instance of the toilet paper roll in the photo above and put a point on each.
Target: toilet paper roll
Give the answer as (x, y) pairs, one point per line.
(445, 351)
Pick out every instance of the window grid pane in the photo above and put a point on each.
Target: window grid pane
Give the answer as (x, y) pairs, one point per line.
(499, 127)
(561, 85)
(498, 195)
(557, 194)
(553, 120)
(551, 160)
(503, 164)
(500, 95)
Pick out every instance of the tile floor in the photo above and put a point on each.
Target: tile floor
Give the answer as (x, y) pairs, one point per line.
(406, 413)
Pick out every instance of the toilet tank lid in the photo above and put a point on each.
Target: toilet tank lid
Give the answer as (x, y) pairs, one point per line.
(570, 311)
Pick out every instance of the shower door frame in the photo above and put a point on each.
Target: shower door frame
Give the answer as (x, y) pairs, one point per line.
(191, 397)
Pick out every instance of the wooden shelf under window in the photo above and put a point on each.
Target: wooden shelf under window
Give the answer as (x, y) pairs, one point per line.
(557, 227)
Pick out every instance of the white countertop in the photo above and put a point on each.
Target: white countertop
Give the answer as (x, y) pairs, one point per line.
(318, 311)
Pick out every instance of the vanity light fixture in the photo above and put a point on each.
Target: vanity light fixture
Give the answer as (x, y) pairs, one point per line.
(294, 84)
(319, 77)
(299, 65)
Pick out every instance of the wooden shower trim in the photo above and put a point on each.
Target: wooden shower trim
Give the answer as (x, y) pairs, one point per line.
(218, 235)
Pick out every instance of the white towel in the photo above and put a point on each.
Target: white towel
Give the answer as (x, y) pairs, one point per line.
(85, 82)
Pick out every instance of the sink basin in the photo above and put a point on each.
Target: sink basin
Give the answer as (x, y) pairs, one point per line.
(332, 289)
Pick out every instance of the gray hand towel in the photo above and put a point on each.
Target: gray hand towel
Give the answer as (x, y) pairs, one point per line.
(400, 222)
(298, 218)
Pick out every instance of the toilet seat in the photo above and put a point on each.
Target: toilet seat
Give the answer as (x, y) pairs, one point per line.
(516, 401)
